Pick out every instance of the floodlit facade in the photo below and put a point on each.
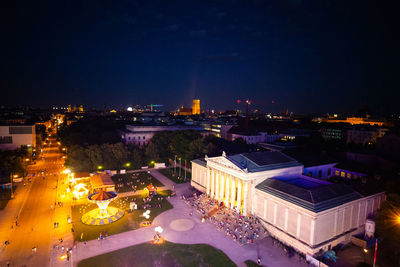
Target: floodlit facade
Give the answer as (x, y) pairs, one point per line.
(13, 137)
(306, 213)
(196, 107)
(141, 134)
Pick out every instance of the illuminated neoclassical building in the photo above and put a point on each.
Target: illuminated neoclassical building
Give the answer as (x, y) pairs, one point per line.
(306, 213)
(232, 179)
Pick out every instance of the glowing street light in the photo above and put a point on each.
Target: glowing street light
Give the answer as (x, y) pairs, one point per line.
(128, 164)
(67, 171)
(99, 167)
(159, 229)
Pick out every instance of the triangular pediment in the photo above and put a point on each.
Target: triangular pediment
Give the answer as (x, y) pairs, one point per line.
(225, 162)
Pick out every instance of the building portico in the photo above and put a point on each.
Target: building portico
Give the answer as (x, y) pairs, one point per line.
(231, 179)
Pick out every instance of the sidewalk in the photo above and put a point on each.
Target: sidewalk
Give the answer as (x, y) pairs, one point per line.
(61, 215)
(12, 209)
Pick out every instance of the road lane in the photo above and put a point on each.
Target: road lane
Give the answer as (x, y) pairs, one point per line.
(35, 220)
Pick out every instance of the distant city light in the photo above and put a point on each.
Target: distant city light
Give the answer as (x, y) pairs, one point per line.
(129, 109)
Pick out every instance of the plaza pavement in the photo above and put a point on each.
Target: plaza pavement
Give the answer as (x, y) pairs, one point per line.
(200, 233)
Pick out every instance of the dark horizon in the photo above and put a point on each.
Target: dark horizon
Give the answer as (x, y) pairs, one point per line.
(306, 56)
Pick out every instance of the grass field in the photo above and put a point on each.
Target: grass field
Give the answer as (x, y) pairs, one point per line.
(130, 221)
(127, 182)
(174, 176)
(167, 254)
(250, 263)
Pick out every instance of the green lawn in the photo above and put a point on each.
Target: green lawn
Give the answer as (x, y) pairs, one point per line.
(250, 263)
(174, 176)
(139, 179)
(167, 254)
(5, 196)
(130, 221)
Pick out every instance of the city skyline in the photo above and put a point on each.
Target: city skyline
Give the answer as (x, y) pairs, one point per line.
(304, 56)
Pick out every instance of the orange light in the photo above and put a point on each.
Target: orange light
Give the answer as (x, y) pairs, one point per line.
(63, 257)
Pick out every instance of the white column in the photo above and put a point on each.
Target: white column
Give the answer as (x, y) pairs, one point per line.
(217, 182)
(239, 195)
(227, 193)
(312, 231)
(233, 191)
(208, 181)
(298, 225)
(212, 183)
(246, 185)
(222, 186)
(286, 218)
(265, 209)
(335, 224)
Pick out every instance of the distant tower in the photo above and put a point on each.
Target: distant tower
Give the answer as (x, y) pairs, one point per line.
(196, 107)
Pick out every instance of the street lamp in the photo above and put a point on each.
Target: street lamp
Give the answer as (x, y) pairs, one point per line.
(365, 255)
(159, 229)
(99, 167)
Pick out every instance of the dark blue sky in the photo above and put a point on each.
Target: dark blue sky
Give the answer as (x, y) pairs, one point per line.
(307, 56)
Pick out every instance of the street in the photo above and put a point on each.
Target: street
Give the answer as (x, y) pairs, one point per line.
(32, 225)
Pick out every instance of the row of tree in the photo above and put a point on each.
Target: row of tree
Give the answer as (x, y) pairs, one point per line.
(104, 156)
(11, 163)
(186, 145)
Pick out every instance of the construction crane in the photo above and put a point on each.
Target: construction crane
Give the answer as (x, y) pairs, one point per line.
(154, 105)
(247, 102)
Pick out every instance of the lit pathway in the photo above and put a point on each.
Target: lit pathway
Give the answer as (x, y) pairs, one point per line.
(204, 233)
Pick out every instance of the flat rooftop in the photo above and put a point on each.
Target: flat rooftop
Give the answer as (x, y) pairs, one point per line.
(309, 193)
(263, 160)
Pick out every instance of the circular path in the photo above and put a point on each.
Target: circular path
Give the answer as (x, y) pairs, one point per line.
(181, 225)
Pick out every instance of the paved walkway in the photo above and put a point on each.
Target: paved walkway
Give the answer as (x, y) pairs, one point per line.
(205, 233)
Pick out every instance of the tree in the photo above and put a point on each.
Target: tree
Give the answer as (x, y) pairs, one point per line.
(136, 158)
(11, 162)
(78, 159)
(197, 149)
(152, 153)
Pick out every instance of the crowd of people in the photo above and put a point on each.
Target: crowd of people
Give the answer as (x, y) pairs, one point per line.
(136, 179)
(242, 229)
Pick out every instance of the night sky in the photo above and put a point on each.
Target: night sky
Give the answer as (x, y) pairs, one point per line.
(307, 56)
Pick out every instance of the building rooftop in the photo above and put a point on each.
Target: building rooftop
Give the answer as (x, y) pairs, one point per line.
(309, 193)
(262, 161)
(200, 161)
(311, 160)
